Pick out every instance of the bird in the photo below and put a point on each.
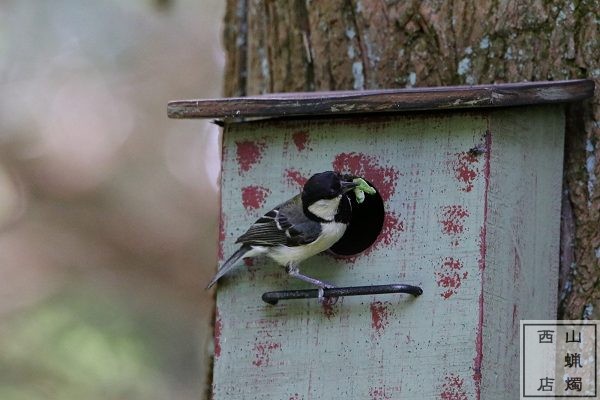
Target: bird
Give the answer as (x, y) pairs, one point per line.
(301, 227)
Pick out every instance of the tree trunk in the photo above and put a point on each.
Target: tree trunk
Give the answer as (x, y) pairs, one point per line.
(304, 45)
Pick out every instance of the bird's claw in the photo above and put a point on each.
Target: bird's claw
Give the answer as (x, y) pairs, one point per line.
(321, 291)
(321, 294)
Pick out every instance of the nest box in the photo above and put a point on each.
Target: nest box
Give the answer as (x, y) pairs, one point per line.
(470, 185)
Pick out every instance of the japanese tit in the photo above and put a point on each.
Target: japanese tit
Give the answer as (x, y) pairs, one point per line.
(305, 225)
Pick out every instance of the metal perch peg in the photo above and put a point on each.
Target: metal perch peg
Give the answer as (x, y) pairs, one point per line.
(274, 297)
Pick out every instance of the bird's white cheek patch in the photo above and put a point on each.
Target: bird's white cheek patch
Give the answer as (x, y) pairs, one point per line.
(326, 208)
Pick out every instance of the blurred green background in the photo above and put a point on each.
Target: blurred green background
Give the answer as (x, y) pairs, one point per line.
(108, 210)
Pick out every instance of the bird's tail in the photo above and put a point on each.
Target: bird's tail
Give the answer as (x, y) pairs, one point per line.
(229, 264)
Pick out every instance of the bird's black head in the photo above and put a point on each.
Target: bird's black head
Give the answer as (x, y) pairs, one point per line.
(328, 185)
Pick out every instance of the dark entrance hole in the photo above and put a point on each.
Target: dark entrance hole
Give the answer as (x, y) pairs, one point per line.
(365, 226)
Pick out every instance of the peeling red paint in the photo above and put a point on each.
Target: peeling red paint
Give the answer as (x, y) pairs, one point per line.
(249, 153)
(265, 325)
(249, 262)
(217, 333)
(478, 360)
(449, 276)
(517, 266)
(453, 218)
(379, 316)
(329, 306)
(482, 248)
(253, 197)
(221, 237)
(263, 351)
(464, 169)
(301, 139)
(483, 231)
(478, 349)
(452, 388)
(383, 178)
(379, 393)
(295, 178)
(392, 226)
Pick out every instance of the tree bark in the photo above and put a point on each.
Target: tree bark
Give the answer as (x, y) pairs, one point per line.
(304, 45)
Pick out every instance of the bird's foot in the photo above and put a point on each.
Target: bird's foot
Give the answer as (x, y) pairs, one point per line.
(321, 294)
(321, 291)
(293, 271)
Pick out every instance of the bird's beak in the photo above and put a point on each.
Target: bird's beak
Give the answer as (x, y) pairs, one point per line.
(348, 186)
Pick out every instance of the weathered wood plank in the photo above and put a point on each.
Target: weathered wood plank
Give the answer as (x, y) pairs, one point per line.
(377, 101)
(372, 347)
(478, 232)
(522, 237)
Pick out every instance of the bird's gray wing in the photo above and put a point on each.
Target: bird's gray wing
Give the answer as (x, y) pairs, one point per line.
(285, 224)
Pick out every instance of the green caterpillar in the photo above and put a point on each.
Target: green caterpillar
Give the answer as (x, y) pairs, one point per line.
(362, 188)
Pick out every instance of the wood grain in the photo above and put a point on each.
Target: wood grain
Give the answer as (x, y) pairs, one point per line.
(477, 231)
(378, 101)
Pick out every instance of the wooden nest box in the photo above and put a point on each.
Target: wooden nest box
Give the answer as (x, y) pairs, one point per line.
(470, 179)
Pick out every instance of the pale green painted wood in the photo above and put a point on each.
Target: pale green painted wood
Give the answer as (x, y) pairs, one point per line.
(423, 347)
(521, 275)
